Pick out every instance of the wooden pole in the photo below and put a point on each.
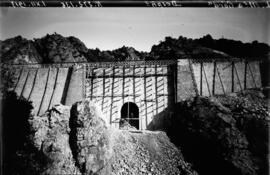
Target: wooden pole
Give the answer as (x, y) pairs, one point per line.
(236, 73)
(92, 84)
(123, 83)
(156, 90)
(131, 76)
(214, 78)
(232, 76)
(145, 102)
(134, 95)
(103, 90)
(175, 82)
(206, 81)
(220, 81)
(112, 95)
(245, 76)
(201, 78)
(252, 76)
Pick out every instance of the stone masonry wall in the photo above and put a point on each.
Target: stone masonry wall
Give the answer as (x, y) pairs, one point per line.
(209, 78)
(150, 87)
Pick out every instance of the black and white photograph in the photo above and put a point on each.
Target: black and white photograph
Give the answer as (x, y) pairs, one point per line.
(134, 90)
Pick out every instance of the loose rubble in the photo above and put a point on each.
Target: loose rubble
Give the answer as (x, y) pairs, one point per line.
(223, 134)
(209, 135)
(77, 140)
(147, 153)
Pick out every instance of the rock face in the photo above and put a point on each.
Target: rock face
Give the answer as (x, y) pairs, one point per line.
(223, 135)
(183, 47)
(56, 48)
(251, 111)
(49, 49)
(19, 50)
(77, 140)
(90, 139)
(218, 135)
(99, 149)
(51, 138)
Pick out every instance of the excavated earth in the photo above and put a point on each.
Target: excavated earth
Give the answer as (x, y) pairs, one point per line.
(76, 140)
(226, 134)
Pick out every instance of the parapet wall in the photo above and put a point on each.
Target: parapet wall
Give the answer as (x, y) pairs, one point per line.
(216, 77)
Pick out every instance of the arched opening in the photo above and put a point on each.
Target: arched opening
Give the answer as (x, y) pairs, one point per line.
(130, 114)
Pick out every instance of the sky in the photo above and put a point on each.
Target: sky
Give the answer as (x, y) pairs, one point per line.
(141, 28)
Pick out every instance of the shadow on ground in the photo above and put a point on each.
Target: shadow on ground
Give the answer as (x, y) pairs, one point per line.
(220, 135)
(18, 154)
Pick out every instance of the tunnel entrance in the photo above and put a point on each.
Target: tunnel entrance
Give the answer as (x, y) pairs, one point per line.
(130, 114)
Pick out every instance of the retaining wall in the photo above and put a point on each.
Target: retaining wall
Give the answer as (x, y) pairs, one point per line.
(47, 86)
(216, 77)
(153, 86)
(146, 85)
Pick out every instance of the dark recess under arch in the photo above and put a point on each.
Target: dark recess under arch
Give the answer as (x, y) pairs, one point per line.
(130, 113)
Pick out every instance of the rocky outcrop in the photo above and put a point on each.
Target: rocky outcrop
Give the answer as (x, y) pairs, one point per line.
(251, 111)
(223, 134)
(121, 54)
(19, 50)
(183, 48)
(51, 138)
(90, 139)
(49, 49)
(100, 149)
(77, 140)
(218, 135)
(56, 48)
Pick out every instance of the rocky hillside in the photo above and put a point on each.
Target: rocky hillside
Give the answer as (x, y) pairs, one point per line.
(172, 48)
(121, 54)
(49, 49)
(57, 48)
(19, 50)
(207, 47)
(235, 48)
(77, 140)
(223, 135)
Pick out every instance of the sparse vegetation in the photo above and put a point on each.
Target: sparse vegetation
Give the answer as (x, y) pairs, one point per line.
(56, 48)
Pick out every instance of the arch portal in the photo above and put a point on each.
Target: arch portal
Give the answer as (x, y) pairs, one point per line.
(130, 112)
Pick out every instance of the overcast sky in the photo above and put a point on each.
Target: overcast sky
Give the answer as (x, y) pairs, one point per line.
(111, 28)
